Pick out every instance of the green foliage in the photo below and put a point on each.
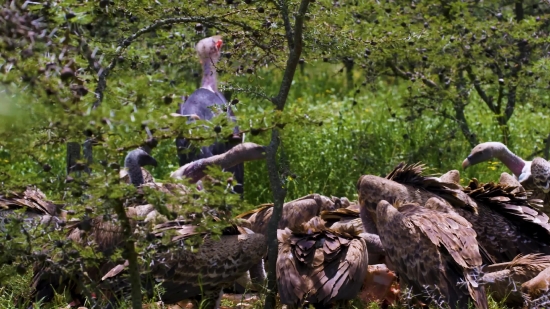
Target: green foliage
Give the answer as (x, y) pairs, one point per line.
(380, 83)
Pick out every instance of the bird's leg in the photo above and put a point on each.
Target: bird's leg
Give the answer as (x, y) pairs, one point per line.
(257, 275)
(211, 299)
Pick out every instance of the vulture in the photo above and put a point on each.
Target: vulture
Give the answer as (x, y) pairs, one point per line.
(105, 236)
(521, 169)
(350, 218)
(295, 212)
(434, 253)
(504, 280)
(489, 150)
(204, 103)
(507, 221)
(216, 263)
(36, 204)
(536, 291)
(185, 274)
(320, 265)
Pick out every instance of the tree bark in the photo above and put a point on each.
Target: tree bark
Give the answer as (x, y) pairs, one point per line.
(73, 155)
(129, 248)
(547, 148)
(294, 40)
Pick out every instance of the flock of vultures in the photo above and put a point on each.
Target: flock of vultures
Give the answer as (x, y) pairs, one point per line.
(410, 238)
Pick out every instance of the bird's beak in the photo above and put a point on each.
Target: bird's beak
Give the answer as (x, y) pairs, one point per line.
(465, 163)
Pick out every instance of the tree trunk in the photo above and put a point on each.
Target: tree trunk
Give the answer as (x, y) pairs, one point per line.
(130, 250)
(294, 40)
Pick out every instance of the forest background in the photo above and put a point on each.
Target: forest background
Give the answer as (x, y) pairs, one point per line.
(377, 83)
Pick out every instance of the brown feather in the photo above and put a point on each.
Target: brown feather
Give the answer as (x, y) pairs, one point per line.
(427, 251)
(217, 263)
(320, 265)
(504, 280)
(294, 213)
(507, 222)
(36, 203)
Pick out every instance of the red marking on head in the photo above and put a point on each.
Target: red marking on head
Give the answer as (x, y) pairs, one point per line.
(219, 44)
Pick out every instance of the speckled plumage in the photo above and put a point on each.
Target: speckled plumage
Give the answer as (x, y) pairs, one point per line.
(540, 171)
(433, 252)
(320, 265)
(215, 264)
(505, 279)
(224, 261)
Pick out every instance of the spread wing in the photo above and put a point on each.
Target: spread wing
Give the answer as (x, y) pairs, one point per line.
(511, 221)
(343, 270)
(32, 198)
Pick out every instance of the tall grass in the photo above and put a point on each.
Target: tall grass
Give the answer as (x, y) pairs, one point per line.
(364, 131)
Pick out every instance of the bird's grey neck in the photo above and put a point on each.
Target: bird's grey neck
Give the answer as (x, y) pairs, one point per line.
(209, 76)
(514, 163)
(134, 171)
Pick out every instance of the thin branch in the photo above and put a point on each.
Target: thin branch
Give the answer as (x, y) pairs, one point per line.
(103, 74)
(407, 75)
(458, 105)
(129, 248)
(283, 7)
(480, 91)
(534, 154)
(519, 10)
(511, 103)
(293, 56)
(88, 54)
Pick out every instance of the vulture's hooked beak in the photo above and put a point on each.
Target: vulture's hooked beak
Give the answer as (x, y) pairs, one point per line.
(465, 163)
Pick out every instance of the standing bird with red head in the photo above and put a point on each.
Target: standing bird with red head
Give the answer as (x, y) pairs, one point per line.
(205, 103)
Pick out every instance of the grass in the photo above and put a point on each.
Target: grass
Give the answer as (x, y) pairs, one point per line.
(362, 133)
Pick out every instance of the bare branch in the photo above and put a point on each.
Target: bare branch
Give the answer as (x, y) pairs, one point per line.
(283, 7)
(103, 74)
(534, 154)
(88, 54)
(293, 56)
(511, 103)
(477, 85)
(407, 75)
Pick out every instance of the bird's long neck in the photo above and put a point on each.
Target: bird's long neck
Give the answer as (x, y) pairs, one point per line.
(134, 171)
(209, 76)
(511, 160)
